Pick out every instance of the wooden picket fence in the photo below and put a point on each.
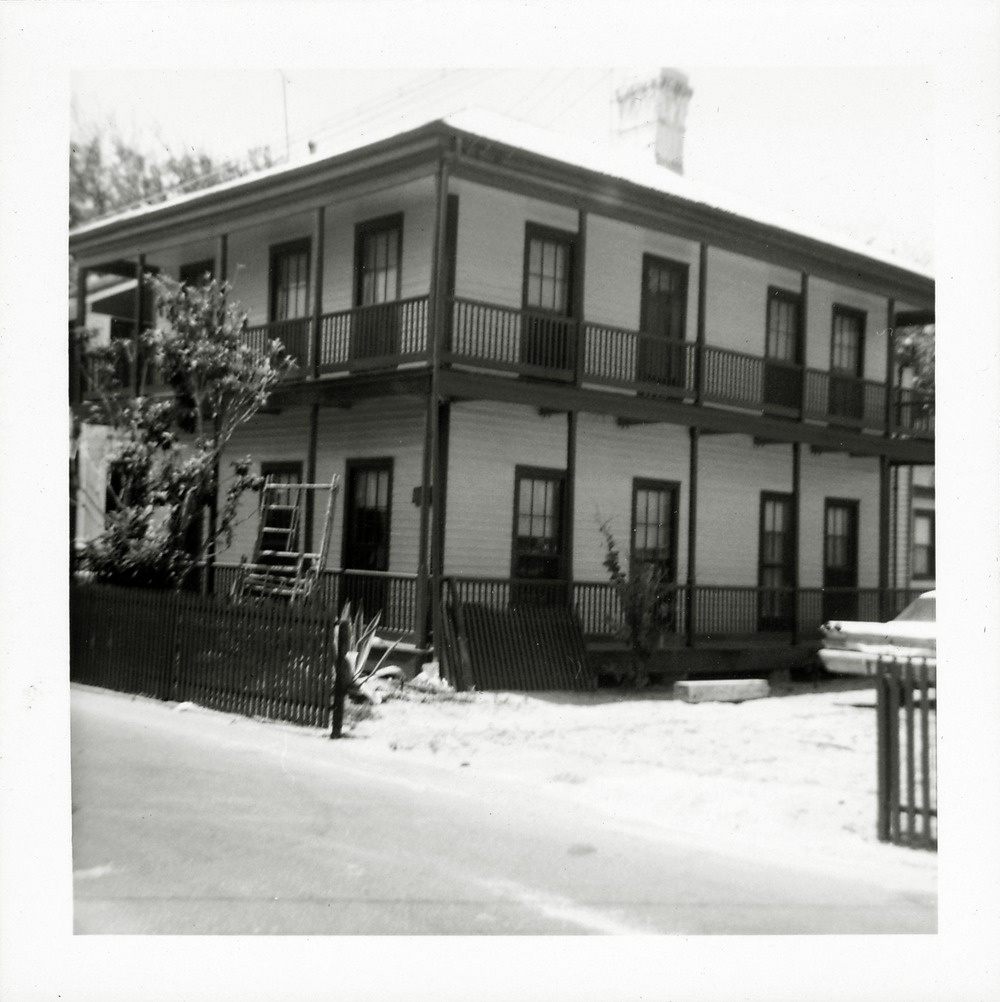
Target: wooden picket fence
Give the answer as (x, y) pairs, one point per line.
(259, 659)
(906, 705)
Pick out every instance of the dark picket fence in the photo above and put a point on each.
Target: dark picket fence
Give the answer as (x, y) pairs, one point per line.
(260, 659)
(907, 744)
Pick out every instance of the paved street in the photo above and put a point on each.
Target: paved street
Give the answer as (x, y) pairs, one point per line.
(197, 822)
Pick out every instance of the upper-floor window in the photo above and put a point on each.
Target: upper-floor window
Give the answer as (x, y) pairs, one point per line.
(923, 544)
(289, 275)
(378, 249)
(548, 268)
(847, 342)
(784, 326)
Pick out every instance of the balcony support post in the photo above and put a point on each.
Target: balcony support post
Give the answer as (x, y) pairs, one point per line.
(140, 271)
(692, 534)
(890, 368)
(221, 256)
(431, 544)
(699, 350)
(884, 530)
(804, 345)
(319, 242)
(796, 521)
(77, 361)
(579, 301)
(570, 502)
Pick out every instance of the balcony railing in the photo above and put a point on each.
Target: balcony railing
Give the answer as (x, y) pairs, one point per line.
(488, 337)
(716, 612)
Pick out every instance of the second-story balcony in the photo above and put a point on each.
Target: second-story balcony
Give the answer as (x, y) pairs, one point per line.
(488, 337)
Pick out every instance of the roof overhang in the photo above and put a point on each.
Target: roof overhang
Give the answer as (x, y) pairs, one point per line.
(480, 158)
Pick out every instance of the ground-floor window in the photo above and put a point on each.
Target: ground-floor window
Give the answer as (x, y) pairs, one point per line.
(654, 539)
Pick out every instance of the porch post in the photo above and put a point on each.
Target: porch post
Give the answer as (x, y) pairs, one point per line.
(319, 244)
(890, 369)
(579, 306)
(699, 351)
(804, 329)
(76, 360)
(140, 271)
(570, 502)
(428, 597)
(884, 524)
(796, 519)
(692, 572)
(221, 256)
(885, 521)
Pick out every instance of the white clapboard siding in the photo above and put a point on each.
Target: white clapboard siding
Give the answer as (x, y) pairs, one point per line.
(280, 438)
(823, 296)
(388, 428)
(613, 286)
(834, 475)
(732, 472)
(491, 227)
(609, 459)
(736, 299)
(416, 201)
(486, 442)
(249, 258)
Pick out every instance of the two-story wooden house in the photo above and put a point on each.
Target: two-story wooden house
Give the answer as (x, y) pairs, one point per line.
(505, 338)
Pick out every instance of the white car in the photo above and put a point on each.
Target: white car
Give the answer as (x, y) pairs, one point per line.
(854, 648)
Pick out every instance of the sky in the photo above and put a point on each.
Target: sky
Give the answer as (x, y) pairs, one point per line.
(851, 149)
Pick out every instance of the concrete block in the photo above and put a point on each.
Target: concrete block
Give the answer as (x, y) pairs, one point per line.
(733, 690)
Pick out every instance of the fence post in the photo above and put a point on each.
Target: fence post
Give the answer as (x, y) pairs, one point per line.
(884, 752)
(341, 677)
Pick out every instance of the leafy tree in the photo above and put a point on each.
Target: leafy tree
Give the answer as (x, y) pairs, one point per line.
(915, 351)
(107, 173)
(166, 458)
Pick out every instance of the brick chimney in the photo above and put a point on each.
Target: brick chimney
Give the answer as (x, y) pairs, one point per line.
(651, 114)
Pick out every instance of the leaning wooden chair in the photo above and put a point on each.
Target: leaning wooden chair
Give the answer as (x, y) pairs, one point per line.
(280, 567)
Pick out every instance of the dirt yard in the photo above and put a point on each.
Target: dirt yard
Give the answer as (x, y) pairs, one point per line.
(795, 771)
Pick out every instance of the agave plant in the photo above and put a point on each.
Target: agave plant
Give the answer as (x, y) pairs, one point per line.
(356, 639)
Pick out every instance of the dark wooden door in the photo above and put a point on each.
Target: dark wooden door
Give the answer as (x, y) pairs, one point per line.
(367, 533)
(539, 536)
(840, 560)
(783, 364)
(847, 390)
(776, 576)
(376, 327)
(663, 312)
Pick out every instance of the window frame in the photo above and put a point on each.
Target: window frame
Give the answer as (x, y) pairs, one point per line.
(683, 271)
(549, 234)
(672, 489)
(776, 294)
(303, 245)
(848, 313)
(374, 227)
(931, 547)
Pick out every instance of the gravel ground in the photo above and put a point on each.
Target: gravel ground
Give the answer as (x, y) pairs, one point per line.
(794, 772)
